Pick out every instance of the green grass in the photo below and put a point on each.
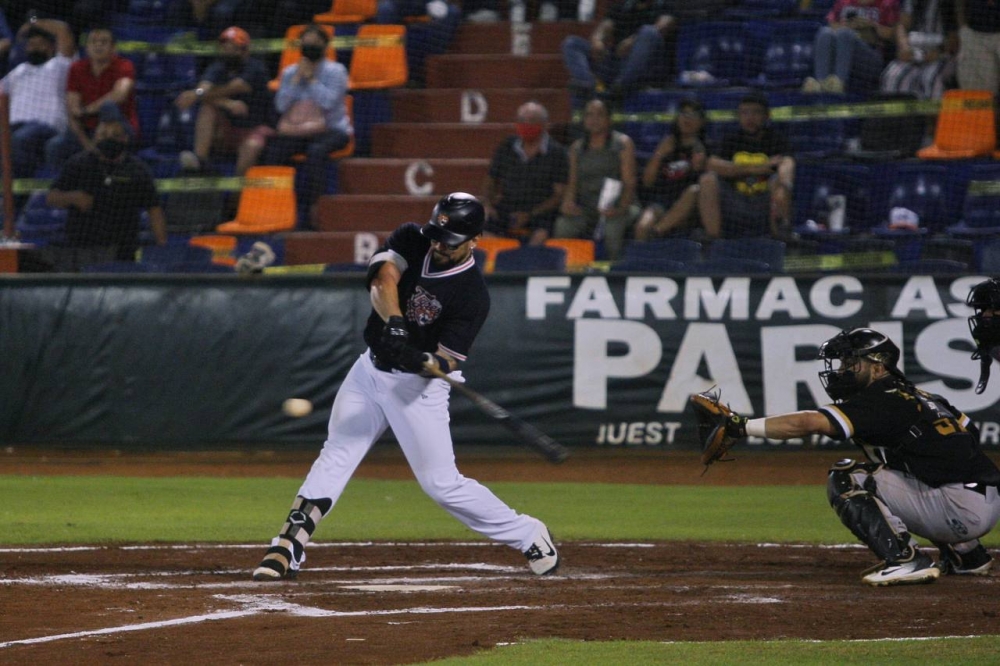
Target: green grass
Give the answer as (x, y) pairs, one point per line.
(96, 509)
(552, 652)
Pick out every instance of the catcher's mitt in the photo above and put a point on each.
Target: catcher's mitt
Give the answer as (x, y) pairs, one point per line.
(719, 427)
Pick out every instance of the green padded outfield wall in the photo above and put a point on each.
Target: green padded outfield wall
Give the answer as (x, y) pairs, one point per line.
(593, 360)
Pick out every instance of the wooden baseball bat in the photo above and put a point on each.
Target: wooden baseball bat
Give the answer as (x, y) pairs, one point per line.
(552, 450)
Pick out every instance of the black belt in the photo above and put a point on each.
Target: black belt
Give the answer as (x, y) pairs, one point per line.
(379, 364)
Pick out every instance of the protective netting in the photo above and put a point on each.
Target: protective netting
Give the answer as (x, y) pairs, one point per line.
(886, 107)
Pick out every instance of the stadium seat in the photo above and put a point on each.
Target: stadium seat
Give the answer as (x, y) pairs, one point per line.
(782, 52)
(348, 11)
(648, 265)
(965, 126)
(931, 267)
(673, 249)
(40, 224)
(531, 258)
(379, 65)
(717, 48)
(118, 267)
(923, 189)
(765, 250)
(580, 252)
(223, 247)
(491, 245)
(749, 9)
(267, 202)
(162, 256)
(728, 266)
(989, 258)
(859, 184)
(291, 53)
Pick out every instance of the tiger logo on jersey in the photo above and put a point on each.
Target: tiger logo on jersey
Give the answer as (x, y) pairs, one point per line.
(422, 307)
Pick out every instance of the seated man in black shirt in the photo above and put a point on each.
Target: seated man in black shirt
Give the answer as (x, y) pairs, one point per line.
(747, 187)
(526, 181)
(105, 192)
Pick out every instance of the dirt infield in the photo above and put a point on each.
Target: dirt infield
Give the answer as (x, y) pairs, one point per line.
(403, 603)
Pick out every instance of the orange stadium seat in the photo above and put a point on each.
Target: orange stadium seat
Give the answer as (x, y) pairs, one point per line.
(965, 126)
(267, 202)
(222, 247)
(579, 251)
(381, 65)
(491, 245)
(348, 11)
(291, 53)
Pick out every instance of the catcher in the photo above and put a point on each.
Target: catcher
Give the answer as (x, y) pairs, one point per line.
(984, 324)
(926, 474)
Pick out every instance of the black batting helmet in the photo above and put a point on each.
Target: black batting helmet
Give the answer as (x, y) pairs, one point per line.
(457, 217)
(848, 347)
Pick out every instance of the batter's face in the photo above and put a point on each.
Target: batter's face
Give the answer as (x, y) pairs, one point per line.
(444, 256)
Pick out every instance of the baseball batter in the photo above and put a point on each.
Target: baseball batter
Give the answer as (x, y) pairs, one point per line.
(926, 475)
(429, 301)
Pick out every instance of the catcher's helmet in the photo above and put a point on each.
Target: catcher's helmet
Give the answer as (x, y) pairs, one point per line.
(457, 217)
(984, 324)
(848, 347)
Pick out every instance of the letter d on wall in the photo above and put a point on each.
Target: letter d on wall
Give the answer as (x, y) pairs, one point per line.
(593, 366)
(474, 107)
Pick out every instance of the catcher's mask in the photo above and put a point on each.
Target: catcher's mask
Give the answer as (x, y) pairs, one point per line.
(844, 351)
(456, 218)
(984, 325)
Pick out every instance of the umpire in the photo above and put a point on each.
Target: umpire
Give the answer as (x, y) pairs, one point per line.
(926, 475)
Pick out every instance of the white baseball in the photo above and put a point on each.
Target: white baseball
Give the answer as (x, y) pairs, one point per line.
(296, 407)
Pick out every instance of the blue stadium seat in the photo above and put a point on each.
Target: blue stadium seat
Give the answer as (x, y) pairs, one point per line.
(719, 48)
(117, 267)
(531, 258)
(749, 9)
(931, 267)
(981, 204)
(648, 265)
(922, 188)
(40, 224)
(728, 266)
(860, 184)
(162, 256)
(989, 258)
(765, 250)
(782, 55)
(673, 249)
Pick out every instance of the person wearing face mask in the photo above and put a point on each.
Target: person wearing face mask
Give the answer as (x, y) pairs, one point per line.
(233, 103)
(314, 120)
(105, 191)
(37, 92)
(103, 76)
(526, 180)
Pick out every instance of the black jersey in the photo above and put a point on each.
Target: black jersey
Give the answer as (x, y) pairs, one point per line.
(915, 432)
(445, 307)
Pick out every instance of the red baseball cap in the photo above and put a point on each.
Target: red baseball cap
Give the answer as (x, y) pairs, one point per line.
(236, 35)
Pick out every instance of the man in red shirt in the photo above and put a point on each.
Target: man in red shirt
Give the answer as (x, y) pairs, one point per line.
(103, 76)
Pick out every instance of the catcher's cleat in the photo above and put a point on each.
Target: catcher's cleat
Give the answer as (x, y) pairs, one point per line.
(976, 562)
(913, 568)
(278, 563)
(543, 558)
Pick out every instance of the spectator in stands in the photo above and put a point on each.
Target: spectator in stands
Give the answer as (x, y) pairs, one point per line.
(103, 76)
(37, 92)
(78, 14)
(628, 48)
(314, 117)
(6, 42)
(210, 16)
(234, 105)
(105, 191)
(430, 34)
(926, 43)
(979, 50)
(599, 201)
(670, 178)
(526, 180)
(747, 188)
(851, 50)
(65, 42)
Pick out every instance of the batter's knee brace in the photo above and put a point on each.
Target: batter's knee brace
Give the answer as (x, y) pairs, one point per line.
(859, 511)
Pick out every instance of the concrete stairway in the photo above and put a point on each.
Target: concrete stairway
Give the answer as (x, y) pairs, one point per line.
(440, 140)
